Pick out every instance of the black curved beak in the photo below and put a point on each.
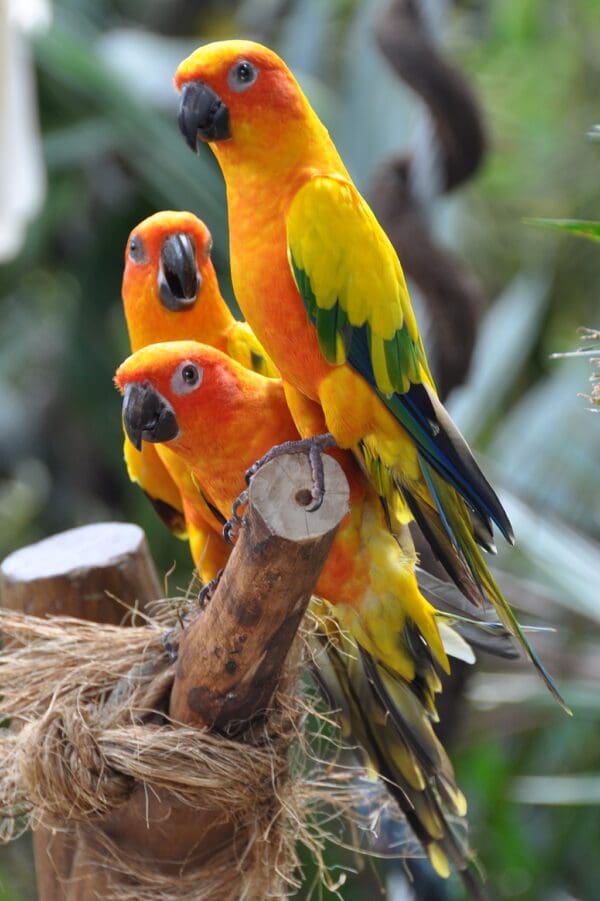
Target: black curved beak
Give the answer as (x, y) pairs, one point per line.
(147, 416)
(202, 115)
(178, 278)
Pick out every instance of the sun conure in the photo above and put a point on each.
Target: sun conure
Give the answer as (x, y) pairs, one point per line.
(170, 292)
(322, 288)
(217, 417)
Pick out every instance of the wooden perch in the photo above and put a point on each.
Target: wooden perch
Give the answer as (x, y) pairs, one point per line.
(82, 572)
(231, 656)
(229, 664)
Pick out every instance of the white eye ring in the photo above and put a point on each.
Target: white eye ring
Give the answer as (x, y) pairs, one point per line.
(187, 377)
(137, 250)
(242, 76)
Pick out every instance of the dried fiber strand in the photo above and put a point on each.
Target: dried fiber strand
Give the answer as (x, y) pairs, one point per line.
(86, 703)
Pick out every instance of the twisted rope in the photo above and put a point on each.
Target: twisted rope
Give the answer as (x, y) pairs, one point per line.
(88, 733)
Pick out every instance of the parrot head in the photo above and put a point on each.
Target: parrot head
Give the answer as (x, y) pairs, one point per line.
(173, 391)
(167, 272)
(241, 98)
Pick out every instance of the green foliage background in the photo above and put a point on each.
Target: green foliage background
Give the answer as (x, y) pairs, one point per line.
(114, 156)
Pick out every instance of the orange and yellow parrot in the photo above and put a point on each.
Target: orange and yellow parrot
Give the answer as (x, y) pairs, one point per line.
(170, 292)
(188, 395)
(323, 290)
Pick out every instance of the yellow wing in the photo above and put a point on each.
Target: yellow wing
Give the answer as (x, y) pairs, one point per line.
(353, 286)
(159, 473)
(147, 469)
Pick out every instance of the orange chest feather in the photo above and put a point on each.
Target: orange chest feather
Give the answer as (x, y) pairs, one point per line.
(148, 322)
(228, 444)
(345, 577)
(267, 293)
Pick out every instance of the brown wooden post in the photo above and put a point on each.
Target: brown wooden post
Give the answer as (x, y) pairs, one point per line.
(229, 664)
(231, 656)
(75, 573)
(81, 572)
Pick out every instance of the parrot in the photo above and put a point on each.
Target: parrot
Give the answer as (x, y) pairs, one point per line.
(170, 292)
(178, 393)
(323, 290)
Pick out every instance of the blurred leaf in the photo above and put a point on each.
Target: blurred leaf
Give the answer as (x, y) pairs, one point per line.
(369, 132)
(575, 226)
(125, 53)
(525, 691)
(557, 555)
(594, 133)
(546, 449)
(305, 38)
(582, 789)
(70, 146)
(506, 336)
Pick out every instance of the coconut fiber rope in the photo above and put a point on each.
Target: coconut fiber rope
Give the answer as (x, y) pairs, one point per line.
(85, 729)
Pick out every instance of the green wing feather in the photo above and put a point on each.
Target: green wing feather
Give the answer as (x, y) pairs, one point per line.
(350, 279)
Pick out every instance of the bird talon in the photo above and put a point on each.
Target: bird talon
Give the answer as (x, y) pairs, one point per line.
(207, 591)
(228, 531)
(317, 502)
(238, 503)
(313, 448)
(166, 639)
(232, 526)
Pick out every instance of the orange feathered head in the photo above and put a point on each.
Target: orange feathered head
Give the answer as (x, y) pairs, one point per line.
(168, 271)
(242, 99)
(177, 391)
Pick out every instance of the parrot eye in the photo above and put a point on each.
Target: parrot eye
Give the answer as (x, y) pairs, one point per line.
(242, 75)
(137, 250)
(190, 374)
(187, 377)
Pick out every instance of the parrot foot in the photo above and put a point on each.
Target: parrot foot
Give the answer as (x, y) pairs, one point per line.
(313, 447)
(166, 639)
(233, 525)
(207, 591)
(171, 638)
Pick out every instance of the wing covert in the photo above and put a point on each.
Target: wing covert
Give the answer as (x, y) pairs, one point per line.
(352, 284)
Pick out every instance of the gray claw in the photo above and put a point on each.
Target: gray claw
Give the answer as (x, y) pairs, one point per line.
(233, 525)
(207, 591)
(166, 640)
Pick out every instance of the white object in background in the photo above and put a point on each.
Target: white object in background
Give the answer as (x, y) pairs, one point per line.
(126, 52)
(22, 172)
(398, 887)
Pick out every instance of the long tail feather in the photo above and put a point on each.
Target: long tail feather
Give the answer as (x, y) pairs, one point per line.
(421, 414)
(441, 444)
(460, 533)
(483, 533)
(444, 548)
(391, 726)
(479, 627)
